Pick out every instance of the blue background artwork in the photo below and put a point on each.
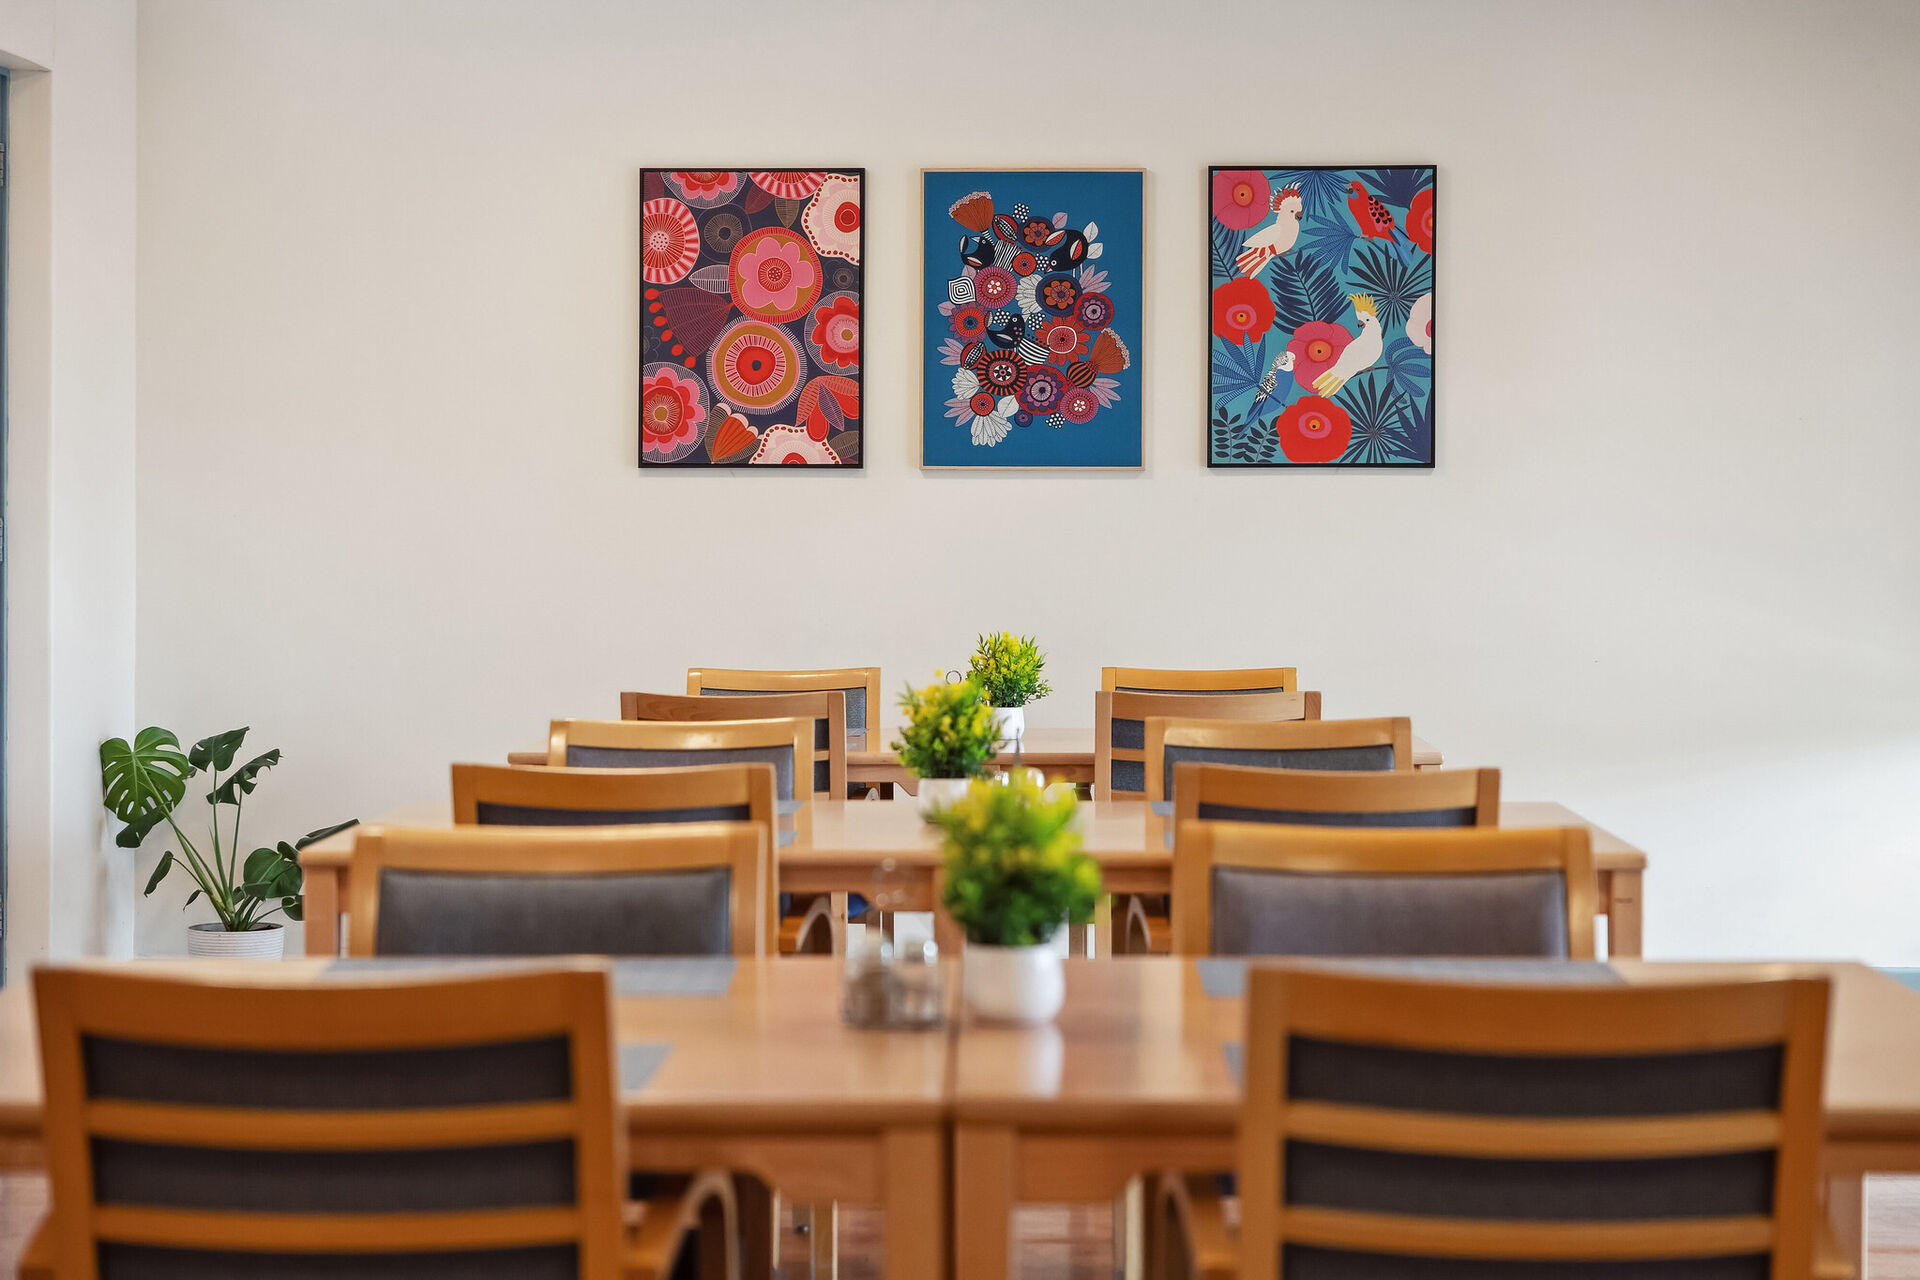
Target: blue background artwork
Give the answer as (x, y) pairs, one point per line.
(1321, 314)
(1111, 437)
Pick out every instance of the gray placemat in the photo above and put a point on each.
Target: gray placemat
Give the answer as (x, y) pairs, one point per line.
(632, 976)
(639, 1062)
(674, 976)
(1225, 977)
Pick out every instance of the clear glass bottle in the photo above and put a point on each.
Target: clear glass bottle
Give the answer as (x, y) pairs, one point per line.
(865, 999)
(918, 988)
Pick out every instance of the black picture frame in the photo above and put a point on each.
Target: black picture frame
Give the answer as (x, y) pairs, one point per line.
(1433, 450)
(698, 461)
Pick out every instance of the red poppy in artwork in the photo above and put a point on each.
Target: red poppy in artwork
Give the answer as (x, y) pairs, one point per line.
(1024, 264)
(836, 332)
(1315, 346)
(969, 322)
(982, 403)
(1313, 429)
(1242, 310)
(1240, 198)
(1420, 220)
(1065, 341)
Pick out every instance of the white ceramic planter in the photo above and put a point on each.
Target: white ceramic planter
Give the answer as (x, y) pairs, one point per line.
(267, 942)
(940, 791)
(1009, 723)
(1013, 984)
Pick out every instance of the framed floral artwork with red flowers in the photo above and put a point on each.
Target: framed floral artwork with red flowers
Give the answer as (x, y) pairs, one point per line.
(1031, 311)
(1320, 352)
(750, 325)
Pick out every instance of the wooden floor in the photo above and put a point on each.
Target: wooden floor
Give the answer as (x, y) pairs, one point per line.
(1070, 1243)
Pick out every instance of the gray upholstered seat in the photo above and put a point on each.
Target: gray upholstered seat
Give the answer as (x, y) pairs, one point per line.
(1388, 818)
(454, 1178)
(661, 913)
(1260, 912)
(489, 814)
(856, 707)
(781, 758)
(1369, 759)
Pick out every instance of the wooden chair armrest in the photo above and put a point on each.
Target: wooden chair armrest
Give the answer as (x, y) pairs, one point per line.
(37, 1262)
(1196, 1242)
(1829, 1261)
(706, 1208)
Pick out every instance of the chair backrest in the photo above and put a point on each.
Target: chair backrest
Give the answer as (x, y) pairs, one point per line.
(860, 684)
(1176, 680)
(1318, 798)
(222, 1125)
(786, 744)
(1346, 745)
(828, 711)
(1243, 888)
(1426, 1129)
(682, 889)
(1120, 728)
(536, 796)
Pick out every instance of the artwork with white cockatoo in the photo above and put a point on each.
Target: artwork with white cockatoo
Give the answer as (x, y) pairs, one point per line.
(1321, 309)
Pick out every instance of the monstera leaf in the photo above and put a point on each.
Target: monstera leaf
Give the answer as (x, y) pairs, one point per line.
(242, 781)
(143, 781)
(275, 872)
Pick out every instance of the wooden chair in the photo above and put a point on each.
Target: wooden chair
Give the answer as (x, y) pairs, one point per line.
(534, 796)
(1175, 680)
(1119, 727)
(1308, 797)
(828, 710)
(196, 1128)
(1431, 1128)
(1347, 745)
(786, 744)
(861, 685)
(1247, 888)
(678, 889)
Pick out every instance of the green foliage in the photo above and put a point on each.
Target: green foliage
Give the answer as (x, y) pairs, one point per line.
(1008, 668)
(1014, 867)
(144, 784)
(949, 730)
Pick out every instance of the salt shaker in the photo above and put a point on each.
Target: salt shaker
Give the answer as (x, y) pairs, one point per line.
(918, 990)
(864, 996)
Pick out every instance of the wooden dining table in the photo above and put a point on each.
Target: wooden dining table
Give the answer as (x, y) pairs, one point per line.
(1064, 755)
(1133, 1077)
(764, 1079)
(883, 849)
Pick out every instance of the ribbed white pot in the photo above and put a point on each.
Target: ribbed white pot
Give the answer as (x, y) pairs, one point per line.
(1009, 723)
(266, 942)
(1013, 984)
(940, 791)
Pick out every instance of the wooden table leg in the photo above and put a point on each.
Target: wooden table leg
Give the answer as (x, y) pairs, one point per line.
(759, 1226)
(915, 1173)
(1847, 1213)
(823, 1239)
(984, 1172)
(321, 888)
(946, 934)
(1623, 914)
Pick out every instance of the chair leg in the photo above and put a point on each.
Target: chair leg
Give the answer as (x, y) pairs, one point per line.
(759, 1226)
(823, 1239)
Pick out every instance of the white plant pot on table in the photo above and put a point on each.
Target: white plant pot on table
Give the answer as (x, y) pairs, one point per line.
(1013, 984)
(1009, 723)
(262, 942)
(933, 792)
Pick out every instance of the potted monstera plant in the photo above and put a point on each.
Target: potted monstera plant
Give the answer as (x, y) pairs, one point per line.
(1015, 874)
(1008, 668)
(145, 784)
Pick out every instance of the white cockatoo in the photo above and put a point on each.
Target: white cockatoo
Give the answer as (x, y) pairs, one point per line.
(1360, 353)
(1276, 237)
(1420, 323)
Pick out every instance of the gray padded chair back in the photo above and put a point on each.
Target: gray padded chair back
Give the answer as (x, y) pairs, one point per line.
(488, 814)
(1369, 759)
(1463, 817)
(1325, 1176)
(535, 1174)
(1286, 913)
(781, 758)
(1196, 693)
(856, 709)
(659, 913)
(1127, 775)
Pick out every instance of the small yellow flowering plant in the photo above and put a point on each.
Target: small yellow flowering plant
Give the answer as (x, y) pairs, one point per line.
(1015, 871)
(1008, 668)
(949, 730)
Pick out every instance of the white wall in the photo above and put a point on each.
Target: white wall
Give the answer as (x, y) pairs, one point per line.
(70, 472)
(1665, 571)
